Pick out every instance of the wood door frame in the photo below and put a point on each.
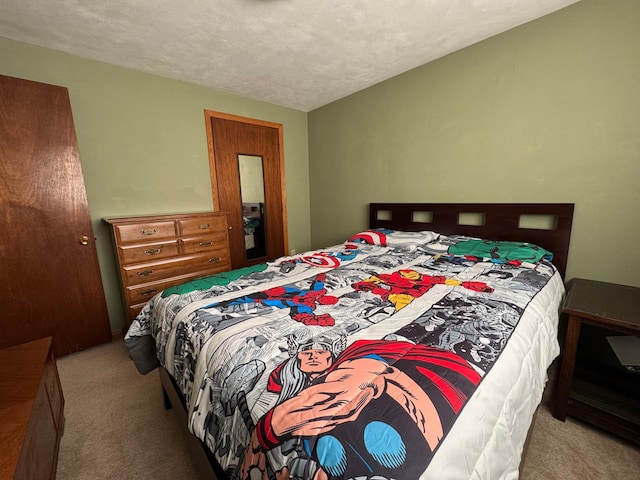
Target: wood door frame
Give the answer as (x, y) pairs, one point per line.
(209, 115)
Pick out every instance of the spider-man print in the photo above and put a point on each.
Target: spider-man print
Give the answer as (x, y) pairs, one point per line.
(300, 302)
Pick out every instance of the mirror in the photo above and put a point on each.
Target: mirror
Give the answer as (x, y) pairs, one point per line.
(252, 197)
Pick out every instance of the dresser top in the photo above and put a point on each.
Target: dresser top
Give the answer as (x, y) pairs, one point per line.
(160, 217)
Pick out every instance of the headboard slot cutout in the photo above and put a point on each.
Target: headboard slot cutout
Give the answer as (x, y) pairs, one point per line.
(421, 216)
(538, 222)
(476, 219)
(384, 215)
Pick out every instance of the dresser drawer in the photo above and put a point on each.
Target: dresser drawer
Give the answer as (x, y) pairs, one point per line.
(145, 232)
(134, 310)
(39, 448)
(219, 260)
(202, 225)
(54, 392)
(145, 292)
(174, 267)
(148, 252)
(209, 243)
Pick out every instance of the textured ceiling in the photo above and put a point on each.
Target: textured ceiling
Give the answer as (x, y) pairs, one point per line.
(297, 53)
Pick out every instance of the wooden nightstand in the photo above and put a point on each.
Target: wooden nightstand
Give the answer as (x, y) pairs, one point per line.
(601, 394)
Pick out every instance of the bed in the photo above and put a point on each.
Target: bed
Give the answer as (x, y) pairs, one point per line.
(415, 349)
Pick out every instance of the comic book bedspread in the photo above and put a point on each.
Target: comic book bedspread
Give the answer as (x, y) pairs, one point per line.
(359, 361)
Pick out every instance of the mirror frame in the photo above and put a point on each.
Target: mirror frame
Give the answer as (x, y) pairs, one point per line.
(252, 191)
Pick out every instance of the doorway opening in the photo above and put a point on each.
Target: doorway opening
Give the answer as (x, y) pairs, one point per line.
(246, 161)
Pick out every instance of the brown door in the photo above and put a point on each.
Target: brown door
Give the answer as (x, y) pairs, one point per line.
(49, 276)
(231, 140)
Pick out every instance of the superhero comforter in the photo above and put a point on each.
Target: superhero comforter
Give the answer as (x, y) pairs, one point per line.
(392, 356)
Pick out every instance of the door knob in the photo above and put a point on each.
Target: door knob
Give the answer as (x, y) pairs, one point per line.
(84, 240)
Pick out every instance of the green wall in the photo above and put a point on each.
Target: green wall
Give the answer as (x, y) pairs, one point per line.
(546, 112)
(143, 144)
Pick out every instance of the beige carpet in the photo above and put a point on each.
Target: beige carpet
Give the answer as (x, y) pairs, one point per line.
(117, 428)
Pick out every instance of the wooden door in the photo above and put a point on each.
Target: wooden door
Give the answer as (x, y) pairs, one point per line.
(229, 138)
(49, 275)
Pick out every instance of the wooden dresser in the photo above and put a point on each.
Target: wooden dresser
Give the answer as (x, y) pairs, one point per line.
(31, 412)
(159, 251)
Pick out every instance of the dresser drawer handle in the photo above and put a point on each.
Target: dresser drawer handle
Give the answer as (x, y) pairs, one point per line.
(149, 231)
(145, 273)
(203, 226)
(151, 291)
(153, 251)
(206, 244)
(215, 259)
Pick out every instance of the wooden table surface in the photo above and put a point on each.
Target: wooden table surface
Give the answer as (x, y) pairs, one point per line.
(606, 303)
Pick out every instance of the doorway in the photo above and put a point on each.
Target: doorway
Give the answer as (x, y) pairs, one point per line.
(246, 161)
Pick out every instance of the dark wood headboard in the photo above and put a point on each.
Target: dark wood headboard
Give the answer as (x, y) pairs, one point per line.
(545, 224)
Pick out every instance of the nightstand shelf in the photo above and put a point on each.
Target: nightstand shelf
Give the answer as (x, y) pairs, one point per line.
(607, 389)
(599, 392)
